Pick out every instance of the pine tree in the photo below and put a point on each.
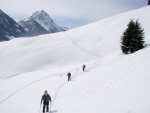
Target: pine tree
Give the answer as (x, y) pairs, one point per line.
(148, 2)
(133, 38)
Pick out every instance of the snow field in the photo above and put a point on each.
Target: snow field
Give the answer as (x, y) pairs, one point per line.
(112, 83)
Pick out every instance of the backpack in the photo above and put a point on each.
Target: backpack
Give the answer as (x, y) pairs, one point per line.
(46, 98)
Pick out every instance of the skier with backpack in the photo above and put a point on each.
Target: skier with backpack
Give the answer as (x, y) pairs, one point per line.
(45, 99)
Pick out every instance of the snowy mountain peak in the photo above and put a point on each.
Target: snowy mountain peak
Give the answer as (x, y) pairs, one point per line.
(32, 27)
(39, 14)
(43, 19)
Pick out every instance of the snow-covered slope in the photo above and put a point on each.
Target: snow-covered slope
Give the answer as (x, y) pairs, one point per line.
(112, 83)
(104, 36)
(39, 52)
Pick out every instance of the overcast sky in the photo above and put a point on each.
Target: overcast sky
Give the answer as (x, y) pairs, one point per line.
(70, 12)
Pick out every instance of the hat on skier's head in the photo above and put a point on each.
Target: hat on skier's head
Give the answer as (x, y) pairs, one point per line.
(45, 91)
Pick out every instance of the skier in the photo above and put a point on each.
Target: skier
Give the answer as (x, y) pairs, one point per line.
(83, 67)
(46, 98)
(69, 76)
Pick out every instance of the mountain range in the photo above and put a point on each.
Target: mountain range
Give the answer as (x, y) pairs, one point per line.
(40, 23)
(36, 24)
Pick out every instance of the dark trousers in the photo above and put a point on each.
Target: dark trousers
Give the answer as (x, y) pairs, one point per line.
(45, 104)
(83, 69)
(69, 78)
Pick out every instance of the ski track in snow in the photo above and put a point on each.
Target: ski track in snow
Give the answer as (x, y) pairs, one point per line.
(56, 93)
(76, 72)
(26, 87)
(81, 48)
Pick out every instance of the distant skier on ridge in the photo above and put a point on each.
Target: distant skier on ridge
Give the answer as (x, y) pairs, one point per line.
(83, 67)
(69, 76)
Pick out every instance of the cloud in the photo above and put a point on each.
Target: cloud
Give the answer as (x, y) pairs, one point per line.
(88, 10)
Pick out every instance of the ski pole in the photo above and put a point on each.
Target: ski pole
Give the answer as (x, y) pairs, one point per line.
(50, 106)
(40, 108)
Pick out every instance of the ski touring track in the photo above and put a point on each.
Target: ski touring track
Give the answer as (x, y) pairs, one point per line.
(81, 48)
(75, 73)
(18, 90)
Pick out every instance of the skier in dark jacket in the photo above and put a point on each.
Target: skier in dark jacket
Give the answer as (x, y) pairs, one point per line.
(46, 98)
(69, 76)
(83, 67)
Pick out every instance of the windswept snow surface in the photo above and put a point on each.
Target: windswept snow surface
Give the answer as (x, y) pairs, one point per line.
(112, 83)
